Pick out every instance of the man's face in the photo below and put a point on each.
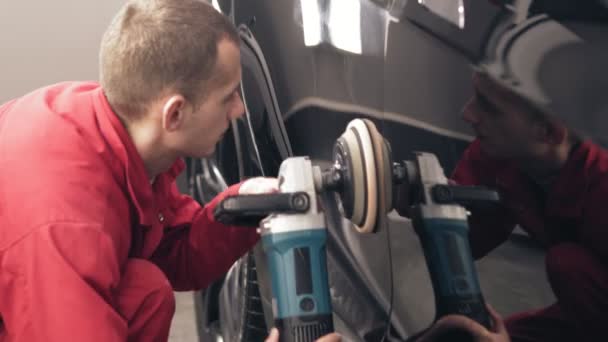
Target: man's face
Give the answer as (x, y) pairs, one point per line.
(205, 125)
(501, 121)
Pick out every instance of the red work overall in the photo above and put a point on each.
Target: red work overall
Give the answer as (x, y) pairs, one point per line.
(90, 250)
(570, 219)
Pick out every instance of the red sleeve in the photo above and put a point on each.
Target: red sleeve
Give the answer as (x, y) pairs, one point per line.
(199, 249)
(488, 227)
(58, 283)
(594, 231)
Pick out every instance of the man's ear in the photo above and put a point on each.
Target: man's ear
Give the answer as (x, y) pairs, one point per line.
(173, 112)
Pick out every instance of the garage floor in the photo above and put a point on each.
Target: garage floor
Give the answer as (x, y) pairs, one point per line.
(183, 327)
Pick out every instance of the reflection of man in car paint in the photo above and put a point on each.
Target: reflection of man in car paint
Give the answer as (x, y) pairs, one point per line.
(94, 233)
(555, 187)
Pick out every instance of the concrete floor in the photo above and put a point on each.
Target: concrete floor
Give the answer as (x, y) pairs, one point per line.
(183, 327)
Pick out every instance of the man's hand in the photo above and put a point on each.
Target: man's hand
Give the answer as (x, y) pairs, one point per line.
(259, 185)
(462, 323)
(274, 337)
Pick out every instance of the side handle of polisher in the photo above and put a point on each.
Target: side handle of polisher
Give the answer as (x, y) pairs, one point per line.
(450, 263)
(249, 210)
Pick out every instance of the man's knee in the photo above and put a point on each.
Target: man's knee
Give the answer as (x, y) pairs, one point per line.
(568, 264)
(144, 282)
(564, 258)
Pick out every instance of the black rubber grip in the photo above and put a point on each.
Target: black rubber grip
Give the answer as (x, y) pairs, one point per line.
(465, 195)
(304, 329)
(249, 210)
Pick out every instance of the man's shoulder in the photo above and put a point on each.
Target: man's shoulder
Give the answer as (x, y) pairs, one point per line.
(49, 93)
(65, 98)
(476, 168)
(59, 98)
(57, 166)
(63, 112)
(50, 140)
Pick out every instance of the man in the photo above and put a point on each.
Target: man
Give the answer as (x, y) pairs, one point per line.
(94, 233)
(554, 186)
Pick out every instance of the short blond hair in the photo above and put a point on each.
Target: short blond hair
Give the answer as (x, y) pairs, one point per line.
(154, 45)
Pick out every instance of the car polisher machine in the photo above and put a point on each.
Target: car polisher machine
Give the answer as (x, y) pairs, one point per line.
(293, 227)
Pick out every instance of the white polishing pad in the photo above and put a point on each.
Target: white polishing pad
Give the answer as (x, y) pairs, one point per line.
(367, 154)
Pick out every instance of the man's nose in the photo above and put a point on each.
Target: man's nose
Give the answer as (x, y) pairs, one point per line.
(469, 112)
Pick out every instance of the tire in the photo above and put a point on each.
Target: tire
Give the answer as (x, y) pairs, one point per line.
(206, 306)
(241, 310)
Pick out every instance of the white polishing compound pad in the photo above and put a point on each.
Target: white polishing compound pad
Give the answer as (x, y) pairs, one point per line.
(363, 156)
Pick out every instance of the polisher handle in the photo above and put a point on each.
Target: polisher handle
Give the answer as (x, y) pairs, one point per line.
(453, 274)
(465, 195)
(249, 210)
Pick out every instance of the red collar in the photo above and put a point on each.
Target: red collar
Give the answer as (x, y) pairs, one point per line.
(137, 183)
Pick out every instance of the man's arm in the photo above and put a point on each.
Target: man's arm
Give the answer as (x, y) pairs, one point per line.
(200, 250)
(594, 231)
(489, 227)
(58, 285)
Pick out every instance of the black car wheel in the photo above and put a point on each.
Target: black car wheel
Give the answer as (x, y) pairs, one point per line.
(241, 310)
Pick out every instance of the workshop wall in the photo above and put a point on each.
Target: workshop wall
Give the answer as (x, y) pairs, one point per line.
(44, 42)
